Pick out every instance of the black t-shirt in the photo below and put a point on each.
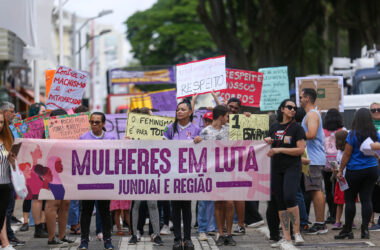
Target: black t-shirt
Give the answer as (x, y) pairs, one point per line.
(286, 136)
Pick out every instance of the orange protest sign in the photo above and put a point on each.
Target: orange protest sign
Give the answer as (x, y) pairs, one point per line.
(49, 75)
(66, 126)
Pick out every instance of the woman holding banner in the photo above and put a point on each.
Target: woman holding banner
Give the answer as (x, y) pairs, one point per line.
(182, 129)
(97, 132)
(288, 144)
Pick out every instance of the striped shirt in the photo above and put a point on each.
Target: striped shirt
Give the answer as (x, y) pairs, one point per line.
(5, 175)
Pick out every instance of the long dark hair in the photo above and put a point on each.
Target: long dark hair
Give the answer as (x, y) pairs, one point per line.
(333, 120)
(187, 102)
(363, 126)
(280, 116)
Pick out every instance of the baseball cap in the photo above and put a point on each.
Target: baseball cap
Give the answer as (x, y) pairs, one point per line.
(208, 115)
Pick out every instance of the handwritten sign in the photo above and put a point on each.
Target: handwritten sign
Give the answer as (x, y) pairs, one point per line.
(32, 127)
(330, 91)
(67, 88)
(116, 124)
(201, 76)
(146, 170)
(275, 87)
(67, 126)
(255, 127)
(245, 85)
(146, 127)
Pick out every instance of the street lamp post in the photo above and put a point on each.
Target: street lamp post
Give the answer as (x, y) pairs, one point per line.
(102, 13)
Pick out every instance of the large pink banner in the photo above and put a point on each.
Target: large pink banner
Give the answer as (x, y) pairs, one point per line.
(145, 170)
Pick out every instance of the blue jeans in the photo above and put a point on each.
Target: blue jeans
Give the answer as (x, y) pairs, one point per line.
(73, 213)
(11, 206)
(304, 218)
(206, 217)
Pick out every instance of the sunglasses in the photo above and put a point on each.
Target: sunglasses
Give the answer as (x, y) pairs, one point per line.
(374, 110)
(291, 107)
(95, 122)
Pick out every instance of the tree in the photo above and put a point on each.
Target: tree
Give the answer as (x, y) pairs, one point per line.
(258, 33)
(169, 33)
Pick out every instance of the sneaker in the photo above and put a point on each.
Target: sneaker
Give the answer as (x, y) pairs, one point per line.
(83, 244)
(99, 236)
(120, 233)
(16, 242)
(165, 230)
(238, 231)
(188, 245)
(337, 226)
(304, 228)
(132, 240)
(67, 240)
(277, 244)
(229, 241)
(298, 240)
(256, 224)
(220, 240)
(177, 245)
(375, 228)
(284, 245)
(24, 227)
(39, 231)
(9, 247)
(317, 229)
(156, 239)
(55, 242)
(202, 237)
(108, 244)
(14, 220)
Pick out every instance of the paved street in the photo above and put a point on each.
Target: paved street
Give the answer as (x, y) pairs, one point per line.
(254, 239)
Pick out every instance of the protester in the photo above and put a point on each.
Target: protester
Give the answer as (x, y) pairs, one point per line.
(119, 208)
(340, 142)
(35, 109)
(312, 124)
(58, 205)
(224, 213)
(97, 132)
(333, 122)
(7, 159)
(246, 211)
(361, 173)
(152, 207)
(375, 113)
(207, 119)
(288, 144)
(74, 209)
(9, 115)
(182, 129)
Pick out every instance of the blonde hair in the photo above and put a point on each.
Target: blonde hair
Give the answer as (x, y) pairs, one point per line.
(374, 103)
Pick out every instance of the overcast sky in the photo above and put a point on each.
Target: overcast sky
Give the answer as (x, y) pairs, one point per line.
(122, 9)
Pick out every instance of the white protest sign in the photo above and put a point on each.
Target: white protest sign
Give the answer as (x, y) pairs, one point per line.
(67, 88)
(201, 76)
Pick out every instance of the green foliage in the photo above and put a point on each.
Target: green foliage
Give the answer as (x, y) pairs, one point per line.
(169, 33)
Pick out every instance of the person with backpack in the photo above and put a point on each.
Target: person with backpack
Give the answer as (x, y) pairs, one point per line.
(333, 122)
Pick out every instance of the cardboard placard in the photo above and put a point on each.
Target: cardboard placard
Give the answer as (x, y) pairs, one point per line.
(329, 91)
(254, 127)
(32, 127)
(146, 127)
(201, 76)
(67, 126)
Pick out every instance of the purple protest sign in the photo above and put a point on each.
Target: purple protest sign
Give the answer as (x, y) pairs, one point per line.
(116, 124)
(165, 100)
(123, 77)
